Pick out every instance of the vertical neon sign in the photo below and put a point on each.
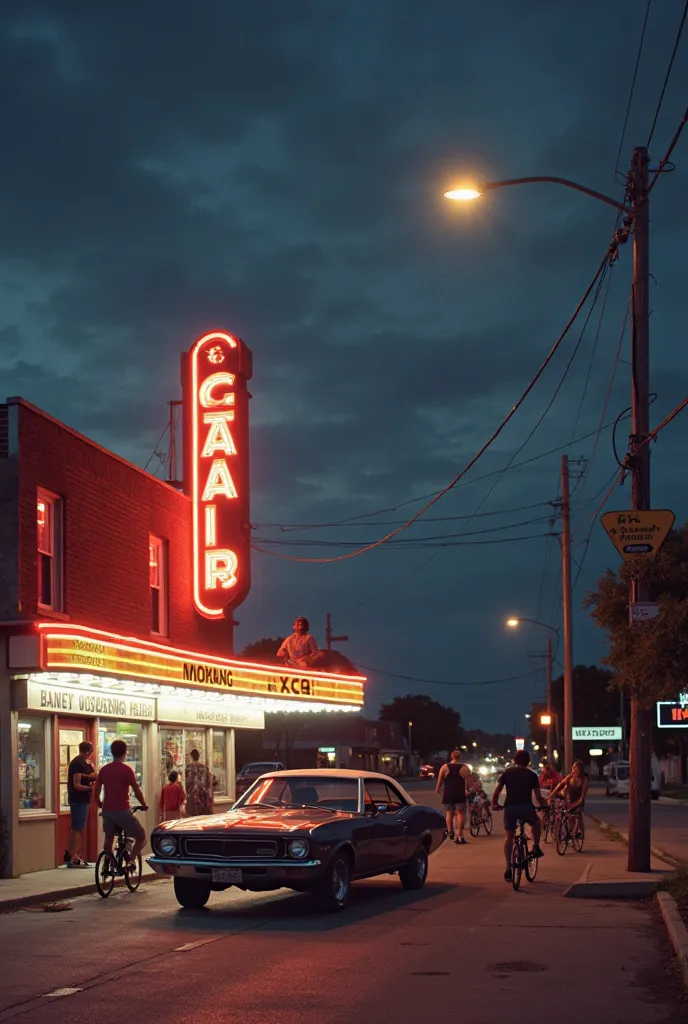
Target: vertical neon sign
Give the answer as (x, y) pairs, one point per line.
(216, 396)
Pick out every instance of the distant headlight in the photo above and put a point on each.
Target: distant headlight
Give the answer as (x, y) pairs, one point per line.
(167, 846)
(297, 848)
(483, 770)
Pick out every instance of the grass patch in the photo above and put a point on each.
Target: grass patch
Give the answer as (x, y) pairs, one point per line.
(675, 790)
(676, 884)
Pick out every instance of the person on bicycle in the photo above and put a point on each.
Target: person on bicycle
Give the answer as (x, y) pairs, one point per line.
(520, 783)
(549, 777)
(574, 789)
(117, 778)
(477, 796)
(451, 781)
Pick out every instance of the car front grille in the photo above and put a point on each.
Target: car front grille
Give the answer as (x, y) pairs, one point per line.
(207, 847)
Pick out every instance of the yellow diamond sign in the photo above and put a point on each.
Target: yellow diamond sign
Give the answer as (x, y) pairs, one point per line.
(638, 534)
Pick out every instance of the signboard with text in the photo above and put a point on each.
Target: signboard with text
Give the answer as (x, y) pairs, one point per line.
(80, 649)
(216, 470)
(638, 534)
(596, 732)
(673, 714)
(73, 700)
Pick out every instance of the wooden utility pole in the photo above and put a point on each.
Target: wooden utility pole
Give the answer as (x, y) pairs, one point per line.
(549, 699)
(567, 611)
(639, 811)
(329, 638)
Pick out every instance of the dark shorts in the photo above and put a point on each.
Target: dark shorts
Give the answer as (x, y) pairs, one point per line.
(79, 813)
(457, 805)
(517, 813)
(113, 821)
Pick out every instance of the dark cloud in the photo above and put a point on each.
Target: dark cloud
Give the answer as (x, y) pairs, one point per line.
(277, 169)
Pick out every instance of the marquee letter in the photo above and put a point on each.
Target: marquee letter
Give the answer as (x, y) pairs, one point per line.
(210, 525)
(220, 569)
(219, 482)
(219, 438)
(204, 392)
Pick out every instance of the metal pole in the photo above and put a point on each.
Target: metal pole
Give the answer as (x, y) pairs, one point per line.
(549, 698)
(568, 618)
(328, 631)
(640, 754)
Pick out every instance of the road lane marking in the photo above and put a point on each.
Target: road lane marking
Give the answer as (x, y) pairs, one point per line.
(200, 942)
(59, 992)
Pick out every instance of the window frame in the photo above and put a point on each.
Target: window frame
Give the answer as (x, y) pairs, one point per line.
(55, 522)
(161, 546)
(27, 813)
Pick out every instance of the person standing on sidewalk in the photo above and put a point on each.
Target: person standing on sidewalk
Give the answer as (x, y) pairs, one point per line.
(520, 784)
(451, 781)
(199, 787)
(81, 777)
(172, 799)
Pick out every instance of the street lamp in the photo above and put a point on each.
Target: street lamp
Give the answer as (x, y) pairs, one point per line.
(513, 623)
(410, 727)
(469, 193)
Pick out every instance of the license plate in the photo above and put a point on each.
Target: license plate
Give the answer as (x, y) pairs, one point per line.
(232, 876)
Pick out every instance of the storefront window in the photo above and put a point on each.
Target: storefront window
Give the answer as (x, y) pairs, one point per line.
(69, 740)
(132, 734)
(175, 751)
(33, 784)
(219, 765)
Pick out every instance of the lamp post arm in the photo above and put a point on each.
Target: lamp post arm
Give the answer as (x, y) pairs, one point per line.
(536, 622)
(558, 181)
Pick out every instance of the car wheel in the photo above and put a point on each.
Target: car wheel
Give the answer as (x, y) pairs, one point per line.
(415, 871)
(191, 895)
(332, 894)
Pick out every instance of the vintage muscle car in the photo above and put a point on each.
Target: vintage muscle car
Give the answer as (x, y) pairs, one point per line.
(311, 830)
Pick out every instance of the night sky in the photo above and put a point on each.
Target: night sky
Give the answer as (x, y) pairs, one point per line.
(275, 169)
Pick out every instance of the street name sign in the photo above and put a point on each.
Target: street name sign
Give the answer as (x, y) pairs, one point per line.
(596, 732)
(638, 534)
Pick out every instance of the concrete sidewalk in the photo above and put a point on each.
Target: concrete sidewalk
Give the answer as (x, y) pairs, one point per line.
(51, 886)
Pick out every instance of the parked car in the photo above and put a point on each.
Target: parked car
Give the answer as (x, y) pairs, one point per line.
(313, 830)
(619, 780)
(252, 771)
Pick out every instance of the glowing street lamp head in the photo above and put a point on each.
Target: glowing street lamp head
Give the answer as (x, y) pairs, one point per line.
(463, 195)
(513, 623)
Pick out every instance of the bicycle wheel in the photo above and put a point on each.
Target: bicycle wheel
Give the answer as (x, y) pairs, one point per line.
(547, 826)
(531, 865)
(132, 875)
(474, 825)
(563, 836)
(578, 839)
(516, 864)
(487, 823)
(105, 873)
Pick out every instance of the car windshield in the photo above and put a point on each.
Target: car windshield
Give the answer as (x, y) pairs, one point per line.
(622, 772)
(257, 769)
(303, 791)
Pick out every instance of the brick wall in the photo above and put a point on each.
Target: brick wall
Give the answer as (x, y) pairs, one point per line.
(110, 508)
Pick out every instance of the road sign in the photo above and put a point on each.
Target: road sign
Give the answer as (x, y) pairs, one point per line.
(520, 743)
(643, 611)
(638, 534)
(596, 732)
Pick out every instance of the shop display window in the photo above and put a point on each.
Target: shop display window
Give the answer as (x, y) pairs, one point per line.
(175, 751)
(219, 765)
(33, 781)
(132, 734)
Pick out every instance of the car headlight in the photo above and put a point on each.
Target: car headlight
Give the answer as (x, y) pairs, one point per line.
(297, 848)
(167, 846)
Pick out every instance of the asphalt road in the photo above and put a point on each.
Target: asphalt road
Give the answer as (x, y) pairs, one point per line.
(669, 820)
(466, 946)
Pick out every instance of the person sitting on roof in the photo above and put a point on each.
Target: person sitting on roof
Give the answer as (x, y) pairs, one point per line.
(300, 650)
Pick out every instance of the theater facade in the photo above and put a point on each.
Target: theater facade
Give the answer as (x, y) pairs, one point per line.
(117, 600)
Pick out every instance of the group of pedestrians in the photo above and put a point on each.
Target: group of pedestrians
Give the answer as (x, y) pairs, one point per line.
(521, 786)
(112, 786)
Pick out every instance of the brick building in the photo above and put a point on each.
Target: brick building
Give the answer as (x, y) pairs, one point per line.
(101, 635)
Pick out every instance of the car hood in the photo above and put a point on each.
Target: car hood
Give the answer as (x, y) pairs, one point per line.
(260, 819)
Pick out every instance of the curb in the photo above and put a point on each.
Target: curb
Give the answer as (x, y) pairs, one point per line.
(616, 833)
(676, 930)
(635, 889)
(9, 905)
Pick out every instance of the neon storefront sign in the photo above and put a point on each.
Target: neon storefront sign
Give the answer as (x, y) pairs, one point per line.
(217, 466)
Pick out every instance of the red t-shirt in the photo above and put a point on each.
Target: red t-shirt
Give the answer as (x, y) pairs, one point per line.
(118, 778)
(172, 796)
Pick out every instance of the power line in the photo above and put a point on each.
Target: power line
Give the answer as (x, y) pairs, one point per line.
(444, 682)
(633, 82)
(391, 586)
(410, 545)
(668, 72)
(154, 453)
(293, 527)
(490, 441)
(672, 145)
(594, 350)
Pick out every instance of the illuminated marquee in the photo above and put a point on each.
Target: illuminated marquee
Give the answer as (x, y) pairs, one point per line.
(217, 372)
(81, 649)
